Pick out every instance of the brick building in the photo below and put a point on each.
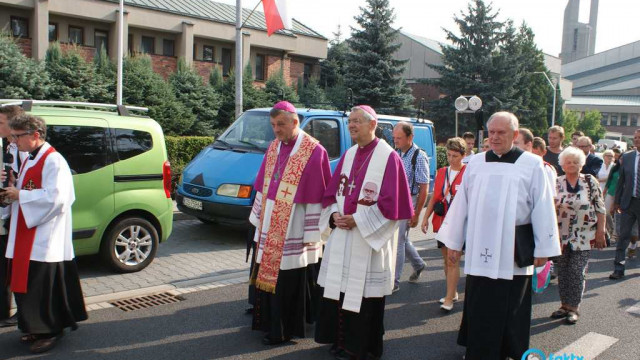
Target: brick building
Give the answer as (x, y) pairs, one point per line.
(200, 31)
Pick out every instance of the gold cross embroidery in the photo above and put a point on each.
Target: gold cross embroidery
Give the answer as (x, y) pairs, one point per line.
(30, 185)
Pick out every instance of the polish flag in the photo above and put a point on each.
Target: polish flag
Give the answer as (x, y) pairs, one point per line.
(276, 15)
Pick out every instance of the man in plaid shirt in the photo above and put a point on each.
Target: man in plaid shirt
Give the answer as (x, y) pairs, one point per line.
(416, 167)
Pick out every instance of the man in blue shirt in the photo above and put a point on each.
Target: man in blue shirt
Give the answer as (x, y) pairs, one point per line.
(416, 167)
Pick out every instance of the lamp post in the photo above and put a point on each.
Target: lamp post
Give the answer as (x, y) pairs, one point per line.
(553, 87)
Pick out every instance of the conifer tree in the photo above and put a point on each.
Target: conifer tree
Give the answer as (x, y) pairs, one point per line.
(371, 71)
(276, 89)
(202, 100)
(20, 77)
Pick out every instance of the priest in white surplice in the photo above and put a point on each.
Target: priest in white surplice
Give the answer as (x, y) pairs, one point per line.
(44, 276)
(502, 189)
(364, 200)
(290, 185)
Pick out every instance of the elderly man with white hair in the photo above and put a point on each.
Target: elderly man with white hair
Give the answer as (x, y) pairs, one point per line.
(504, 196)
(357, 270)
(581, 222)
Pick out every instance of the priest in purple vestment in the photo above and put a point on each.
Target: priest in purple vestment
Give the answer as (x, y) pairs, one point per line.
(290, 185)
(363, 202)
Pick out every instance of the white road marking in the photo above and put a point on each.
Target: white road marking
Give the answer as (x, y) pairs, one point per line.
(587, 347)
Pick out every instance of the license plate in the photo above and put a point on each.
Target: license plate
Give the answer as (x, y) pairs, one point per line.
(193, 204)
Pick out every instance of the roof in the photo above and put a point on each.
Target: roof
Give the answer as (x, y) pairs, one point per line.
(429, 43)
(604, 100)
(218, 12)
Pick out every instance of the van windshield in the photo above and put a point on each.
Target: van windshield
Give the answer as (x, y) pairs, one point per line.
(252, 130)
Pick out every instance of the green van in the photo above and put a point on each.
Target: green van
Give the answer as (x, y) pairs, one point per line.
(121, 175)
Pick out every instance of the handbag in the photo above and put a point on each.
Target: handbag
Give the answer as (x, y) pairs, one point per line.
(524, 245)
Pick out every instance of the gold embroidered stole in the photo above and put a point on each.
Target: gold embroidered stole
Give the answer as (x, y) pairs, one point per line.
(274, 243)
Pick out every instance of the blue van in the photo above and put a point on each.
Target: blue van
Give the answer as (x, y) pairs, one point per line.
(217, 185)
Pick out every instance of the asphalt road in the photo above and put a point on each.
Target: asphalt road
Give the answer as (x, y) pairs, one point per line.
(212, 325)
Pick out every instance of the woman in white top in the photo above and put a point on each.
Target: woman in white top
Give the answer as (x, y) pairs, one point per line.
(603, 174)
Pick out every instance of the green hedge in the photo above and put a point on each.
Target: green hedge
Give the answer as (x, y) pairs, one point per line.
(181, 149)
(441, 153)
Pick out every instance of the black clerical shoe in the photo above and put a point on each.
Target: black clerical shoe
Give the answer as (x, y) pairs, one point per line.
(267, 340)
(616, 275)
(45, 344)
(12, 321)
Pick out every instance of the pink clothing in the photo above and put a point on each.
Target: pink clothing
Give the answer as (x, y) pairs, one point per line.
(315, 176)
(394, 200)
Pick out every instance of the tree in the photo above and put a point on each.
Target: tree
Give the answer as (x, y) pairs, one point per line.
(312, 95)
(591, 126)
(215, 78)
(73, 78)
(371, 71)
(251, 97)
(481, 61)
(332, 71)
(20, 77)
(276, 89)
(106, 71)
(202, 100)
(570, 123)
(143, 87)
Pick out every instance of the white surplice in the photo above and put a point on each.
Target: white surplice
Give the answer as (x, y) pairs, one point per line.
(360, 262)
(48, 209)
(493, 198)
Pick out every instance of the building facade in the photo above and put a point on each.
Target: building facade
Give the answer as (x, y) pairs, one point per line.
(200, 31)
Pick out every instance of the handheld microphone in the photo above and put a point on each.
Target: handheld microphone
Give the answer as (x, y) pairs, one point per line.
(7, 159)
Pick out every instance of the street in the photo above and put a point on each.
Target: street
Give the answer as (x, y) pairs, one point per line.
(211, 324)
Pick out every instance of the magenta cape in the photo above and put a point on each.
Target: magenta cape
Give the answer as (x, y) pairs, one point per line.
(394, 200)
(315, 176)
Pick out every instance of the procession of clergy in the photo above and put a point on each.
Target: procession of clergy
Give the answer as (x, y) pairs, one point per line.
(326, 244)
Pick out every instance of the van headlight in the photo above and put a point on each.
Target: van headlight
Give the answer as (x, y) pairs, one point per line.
(235, 190)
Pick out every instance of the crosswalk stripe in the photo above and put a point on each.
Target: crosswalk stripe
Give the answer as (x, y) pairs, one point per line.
(589, 346)
(635, 309)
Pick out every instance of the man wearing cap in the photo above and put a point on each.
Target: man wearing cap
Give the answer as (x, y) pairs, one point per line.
(289, 189)
(357, 270)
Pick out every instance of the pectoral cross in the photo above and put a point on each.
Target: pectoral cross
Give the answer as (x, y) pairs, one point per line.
(286, 192)
(486, 255)
(30, 185)
(352, 186)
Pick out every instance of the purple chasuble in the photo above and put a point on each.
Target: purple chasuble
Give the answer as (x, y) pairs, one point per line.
(315, 176)
(394, 200)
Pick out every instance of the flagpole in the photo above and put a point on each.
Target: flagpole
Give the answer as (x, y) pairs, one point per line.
(120, 53)
(238, 58)
(251, 13)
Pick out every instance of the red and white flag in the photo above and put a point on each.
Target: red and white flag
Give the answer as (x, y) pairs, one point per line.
(276, 15)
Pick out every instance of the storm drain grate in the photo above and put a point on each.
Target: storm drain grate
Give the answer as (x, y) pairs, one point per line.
(144, 302)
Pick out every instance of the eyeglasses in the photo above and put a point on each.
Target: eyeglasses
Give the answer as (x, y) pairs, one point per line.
(584, 146)
(17, 136)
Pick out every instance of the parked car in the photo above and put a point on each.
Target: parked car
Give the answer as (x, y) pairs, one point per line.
(121, 175)
(217, 185)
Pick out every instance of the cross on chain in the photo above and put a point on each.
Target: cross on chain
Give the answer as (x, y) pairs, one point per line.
(486, 255)
(286, 192)
(352, 186)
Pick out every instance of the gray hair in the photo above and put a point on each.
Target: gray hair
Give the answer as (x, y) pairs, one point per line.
(366, 114)
(584, 138)
(29, 123)
(273, 113)
(513, 120)
(572, 152)
(607, 152)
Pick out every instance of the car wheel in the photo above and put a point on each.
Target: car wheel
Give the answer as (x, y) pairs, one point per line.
(206, 221)
(130, 245)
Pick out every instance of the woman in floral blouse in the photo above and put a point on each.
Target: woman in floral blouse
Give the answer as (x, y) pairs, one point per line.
(581, 222)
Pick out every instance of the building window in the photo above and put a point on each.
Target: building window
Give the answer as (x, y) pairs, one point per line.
(226, 61)
(604, 120)
(19, 27)
(101, 39)
(53, 32)
(614, 120)
(147, 46)
(168, 47)
(307, 73)
(207, 53)
(76, 35)
(624, 120)
(635, 120)
(130, 44)
(260, 67)
(575, 39)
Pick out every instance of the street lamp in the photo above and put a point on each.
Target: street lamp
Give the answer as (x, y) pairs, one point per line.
(553, 87)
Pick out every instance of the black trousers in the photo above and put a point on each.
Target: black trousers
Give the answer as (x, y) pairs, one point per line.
(5, 293)
(359, 334)
(496, 321)
(628, 219)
